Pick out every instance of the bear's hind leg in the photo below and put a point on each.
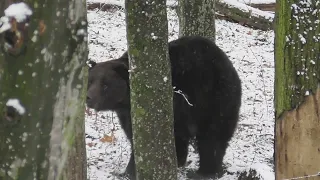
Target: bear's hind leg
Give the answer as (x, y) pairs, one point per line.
(182, 144)
(211, 152)
(130, 170)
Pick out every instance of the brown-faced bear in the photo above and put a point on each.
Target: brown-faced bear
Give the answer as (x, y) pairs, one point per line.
(206, 102)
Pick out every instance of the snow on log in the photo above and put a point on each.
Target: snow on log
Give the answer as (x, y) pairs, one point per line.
(264, 7)
(244, 14)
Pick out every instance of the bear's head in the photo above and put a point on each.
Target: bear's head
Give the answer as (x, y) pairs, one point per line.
(108, 85)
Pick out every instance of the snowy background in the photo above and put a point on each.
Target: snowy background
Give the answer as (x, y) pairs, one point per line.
(251, 52)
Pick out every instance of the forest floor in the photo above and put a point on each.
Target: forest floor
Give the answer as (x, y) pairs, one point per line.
(251, 52)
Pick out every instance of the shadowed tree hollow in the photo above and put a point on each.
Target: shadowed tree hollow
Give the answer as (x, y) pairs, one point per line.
(43, 81)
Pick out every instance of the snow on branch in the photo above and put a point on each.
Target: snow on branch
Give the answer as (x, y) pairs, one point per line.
(18, 11)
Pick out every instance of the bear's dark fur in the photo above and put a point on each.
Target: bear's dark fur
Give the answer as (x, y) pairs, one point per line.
(208, 80)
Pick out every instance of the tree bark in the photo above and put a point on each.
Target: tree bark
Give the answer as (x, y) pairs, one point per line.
(42, 92)
(297, 92)
(151, 90)
(197, 18)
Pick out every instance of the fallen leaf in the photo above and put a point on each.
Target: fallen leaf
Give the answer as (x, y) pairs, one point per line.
(107, 138)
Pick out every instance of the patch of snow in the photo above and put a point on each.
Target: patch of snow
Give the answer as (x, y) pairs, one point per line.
(154, 37)
(81, 32)
(165, 79)
(19, 11)
(4, 24)
(15, 103)
(307, 93)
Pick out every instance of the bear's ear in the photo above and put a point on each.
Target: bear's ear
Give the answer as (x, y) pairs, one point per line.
(91, 64)
(122, 70)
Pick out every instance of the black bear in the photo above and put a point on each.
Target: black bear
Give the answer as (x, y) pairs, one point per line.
(206, 102)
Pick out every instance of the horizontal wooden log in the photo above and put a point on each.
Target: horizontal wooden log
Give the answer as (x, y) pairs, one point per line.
(264, 7)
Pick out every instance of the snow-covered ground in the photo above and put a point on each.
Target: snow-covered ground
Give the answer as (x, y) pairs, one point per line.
(251, 52)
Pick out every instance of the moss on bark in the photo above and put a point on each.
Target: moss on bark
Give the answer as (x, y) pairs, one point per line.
(296, 53)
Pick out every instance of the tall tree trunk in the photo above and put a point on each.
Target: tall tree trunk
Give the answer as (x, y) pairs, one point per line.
(151, 90)
(197, 18)
(42, 91)
(297, 92)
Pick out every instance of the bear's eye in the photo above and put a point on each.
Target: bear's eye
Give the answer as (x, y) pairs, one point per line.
(105, 87)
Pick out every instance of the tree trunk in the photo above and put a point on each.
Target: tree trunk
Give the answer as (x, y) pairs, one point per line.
(42, 91)
(197, 18)
(151, 90)
(297, 93)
